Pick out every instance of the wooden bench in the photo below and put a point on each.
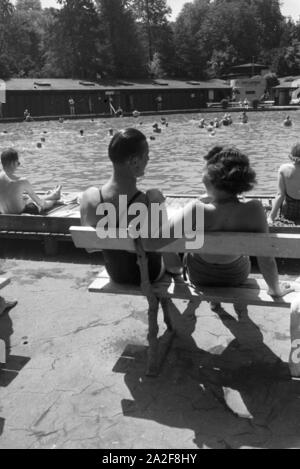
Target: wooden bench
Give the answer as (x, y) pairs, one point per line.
(254, 292)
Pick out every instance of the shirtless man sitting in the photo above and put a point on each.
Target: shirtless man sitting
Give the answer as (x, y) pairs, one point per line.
(14, 190)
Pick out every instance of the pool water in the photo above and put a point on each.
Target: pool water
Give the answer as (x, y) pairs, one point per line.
(176, 155)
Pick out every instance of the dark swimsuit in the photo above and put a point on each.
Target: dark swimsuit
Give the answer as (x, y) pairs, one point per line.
(31, 209)
(291, 209)
(122, 266)
(202, 273)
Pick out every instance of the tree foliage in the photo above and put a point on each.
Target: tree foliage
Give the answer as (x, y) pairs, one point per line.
(126, 50)
(135, 38)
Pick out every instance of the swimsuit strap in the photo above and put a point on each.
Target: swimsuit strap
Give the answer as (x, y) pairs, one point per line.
(136, 195)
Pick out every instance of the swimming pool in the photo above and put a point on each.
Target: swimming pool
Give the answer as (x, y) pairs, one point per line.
(176, 155)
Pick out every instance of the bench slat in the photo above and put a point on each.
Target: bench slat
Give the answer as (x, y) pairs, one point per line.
(251, 244)
(4, 282)
(254, 292)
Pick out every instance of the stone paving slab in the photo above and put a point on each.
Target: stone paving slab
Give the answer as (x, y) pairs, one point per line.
(75, 375)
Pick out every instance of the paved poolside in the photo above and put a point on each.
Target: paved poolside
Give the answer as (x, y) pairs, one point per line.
(75, 375)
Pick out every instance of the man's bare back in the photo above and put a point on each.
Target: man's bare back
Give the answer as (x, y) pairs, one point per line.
(16, 192)
(12, 191)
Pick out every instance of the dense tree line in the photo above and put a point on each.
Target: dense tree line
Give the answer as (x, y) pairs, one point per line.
(105, 39)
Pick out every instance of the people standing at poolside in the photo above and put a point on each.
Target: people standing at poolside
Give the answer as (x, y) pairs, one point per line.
(227, 175)
(16, 192)
(27, 116)
(246, 103)
(129, 154)
(72, 106)
(287, 199)
(159, 100)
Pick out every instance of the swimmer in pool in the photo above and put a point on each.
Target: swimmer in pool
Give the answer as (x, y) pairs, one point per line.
(217, 123)
(288, 122)
(136, 113)
(210, 127)
(244, 118)
(202, 123)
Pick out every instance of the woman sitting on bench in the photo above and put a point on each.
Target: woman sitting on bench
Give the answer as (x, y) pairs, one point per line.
(287, 200)
(227, 174)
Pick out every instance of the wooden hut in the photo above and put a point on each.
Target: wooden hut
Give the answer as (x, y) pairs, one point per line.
(51, 97)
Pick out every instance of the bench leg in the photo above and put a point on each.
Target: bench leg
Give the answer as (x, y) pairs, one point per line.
(51, 247)
(294, 361)
(165, 304)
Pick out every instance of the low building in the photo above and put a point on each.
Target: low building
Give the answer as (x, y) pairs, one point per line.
(288, 92)
(248, 82)
(55, 97)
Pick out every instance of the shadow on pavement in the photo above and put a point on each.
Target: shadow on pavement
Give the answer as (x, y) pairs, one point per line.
(239, 395)
(14, 364)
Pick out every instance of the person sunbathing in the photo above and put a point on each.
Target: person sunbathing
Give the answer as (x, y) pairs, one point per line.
(16, 194)
(227, 174)
(129, 154)
(287, 199)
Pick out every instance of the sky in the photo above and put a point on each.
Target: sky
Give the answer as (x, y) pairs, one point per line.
(289, 7)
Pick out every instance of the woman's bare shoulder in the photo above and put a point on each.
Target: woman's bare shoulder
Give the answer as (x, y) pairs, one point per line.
(253, 205)
(255, 216)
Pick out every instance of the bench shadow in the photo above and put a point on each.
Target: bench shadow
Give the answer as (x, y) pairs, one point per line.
(2, 422)
(14, 364)
(232, 396)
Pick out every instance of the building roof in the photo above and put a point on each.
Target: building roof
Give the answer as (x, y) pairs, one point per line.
(288, 83)
(64, 84)
(250, 65)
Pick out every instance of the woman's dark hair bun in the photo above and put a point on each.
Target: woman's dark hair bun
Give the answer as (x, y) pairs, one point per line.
(229, 169)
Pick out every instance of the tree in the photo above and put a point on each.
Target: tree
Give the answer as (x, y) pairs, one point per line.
(270, 21)
(286, 60)
(29, 5)
(127, 57)
(26, 37)
(271, 81)
(73, 44)
(152, 18)
(191, 56)
(155, 67)
(219, 32)
(6, 10)
(6, 14)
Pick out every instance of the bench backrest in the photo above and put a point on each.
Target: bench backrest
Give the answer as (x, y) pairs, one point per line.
(250, 244)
